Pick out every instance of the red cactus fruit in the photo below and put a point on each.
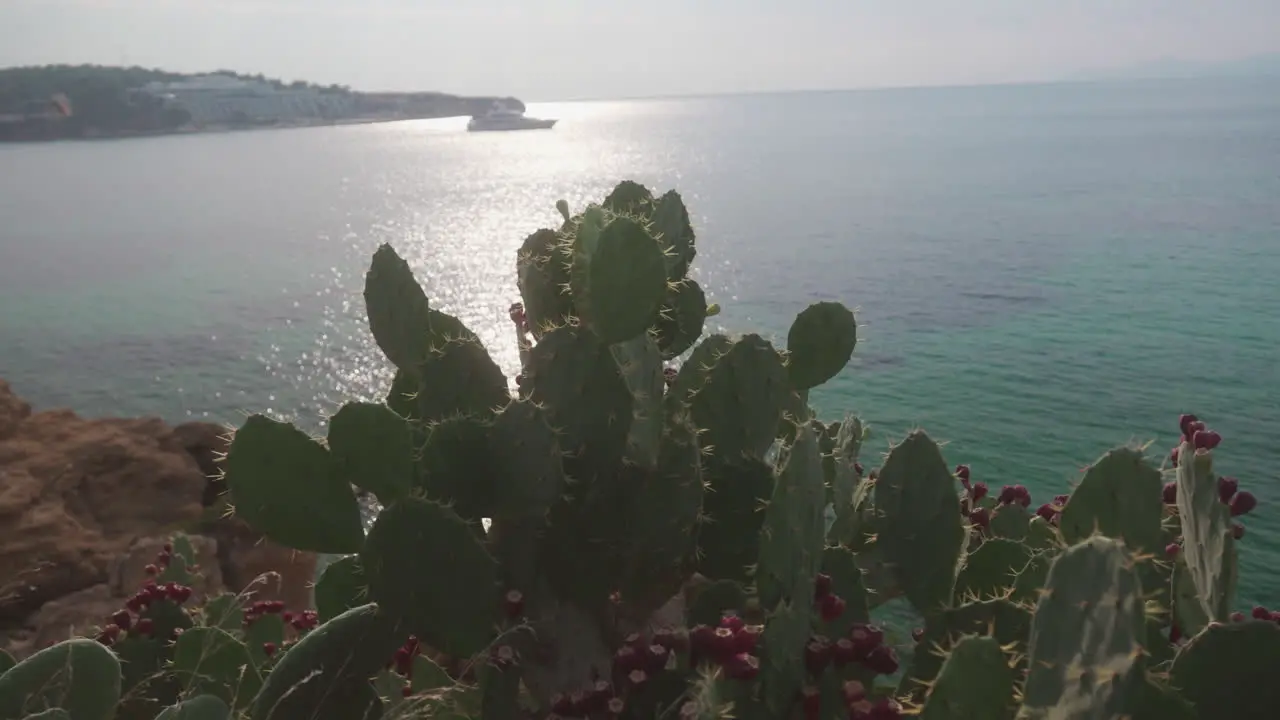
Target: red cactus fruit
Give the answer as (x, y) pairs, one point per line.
(503, 657)
(516, 312)
(857, 468)
(151, 569)
(1206, 439)
(746, 639)
(882, 660)
(637, 678)
(1227, 487)
(843, 652)
(656, 658)
(1275, 616)
(853, 691)
(1237, 530)
(817, 655)
(917, 634)
(865, 638)
(821, 586)
(1261, 613)
(1008, 495)
(615, 706)
(1047, 511)
(886, 709)
(669, 376)
(1023, 495)
(269, 648)
(1236, 616)
(1172, 549)
(702, 643)
(143, 626)
(1170, 493)
(860, 709)
(625, 659)
(732, 621)
(724, 643)
(122, 619)
(1173, 457)
(1175, 633)
(978, 491)
(1242, 503)
(743, 667)
(636, 641)
(981, 518)
(811, 702)
(962, 472)
(1185, 420)
(831, 607)
(562, 705)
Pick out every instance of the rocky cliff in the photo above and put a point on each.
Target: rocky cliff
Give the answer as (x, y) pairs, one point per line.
(85, 504)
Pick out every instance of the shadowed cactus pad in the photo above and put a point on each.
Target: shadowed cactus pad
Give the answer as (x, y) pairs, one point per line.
(79, 676)
(820, 343)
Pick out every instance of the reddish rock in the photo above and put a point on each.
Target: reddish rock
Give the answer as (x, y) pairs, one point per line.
(81, 499)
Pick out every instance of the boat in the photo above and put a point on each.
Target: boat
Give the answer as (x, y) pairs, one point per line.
(501, 117)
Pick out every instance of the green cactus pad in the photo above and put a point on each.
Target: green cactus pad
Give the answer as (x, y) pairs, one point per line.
(663, 519)
(223, 611)
(372, 448)
(820, 344)
(200, 707)
(1041, 535)
(1118, 497)
(341, 587)
(641, 367)
(326, 674)
(398, 311)
(741, 402)
(922, 535)
(630, 198)
(782, 669)
(542, 274)
(181, 560)
(694, 370)
(793, 535)
(457, 467)
(1229, 671)
(733, 508)
(1085, 651)
(265, 629)
(976, 683)
(78, 675)
(402, 396)
(671, 226)
(682, 318)
(1011, 522)
(284, 485)
(459, 378)
(50, 714)
(1032, 577)
(528, 473)
(6, 661)
(211, 661)
(424, 565)
(576, 378)
(1009, 623)
(846, 581)
(992, 569)
(714, 600)
(619, 281)
(850, 492)
(500, 692)
(1208, 546)
(1187, 608)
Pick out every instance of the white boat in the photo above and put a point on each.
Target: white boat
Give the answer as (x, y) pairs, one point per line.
(501, 117)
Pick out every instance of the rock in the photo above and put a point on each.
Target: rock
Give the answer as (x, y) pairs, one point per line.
(83, 501)
(12, 410)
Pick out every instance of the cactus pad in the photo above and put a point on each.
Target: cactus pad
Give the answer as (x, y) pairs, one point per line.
(1118, 497)
(976, 683)
(398, 310)
(741, 402)
(682, 318)
(991, 569)
(618, 280)
(641, 365)
(820, 343)
(670, 224)
(1208, 547)
(341, 587)
(542, 273)
(921, 535)
(424, 564)
(372, 448)
(213, 662)
(1229, 671)
(284, 484)
(200, 707)
(729, 537)
(79, 676)
(1085, 652)
(459, 378)
(792, 538)
(528, 475)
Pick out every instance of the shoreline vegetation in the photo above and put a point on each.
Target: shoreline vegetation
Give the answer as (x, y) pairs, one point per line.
(83, 102)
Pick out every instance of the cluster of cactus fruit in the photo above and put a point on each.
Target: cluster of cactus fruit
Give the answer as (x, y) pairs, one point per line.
(613, 536)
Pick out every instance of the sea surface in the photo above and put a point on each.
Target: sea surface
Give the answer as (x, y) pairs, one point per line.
(1040, 272)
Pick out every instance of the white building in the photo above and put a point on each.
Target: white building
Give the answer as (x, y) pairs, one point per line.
(217, 99)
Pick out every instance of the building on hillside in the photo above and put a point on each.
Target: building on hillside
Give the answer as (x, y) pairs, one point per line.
(222, 99)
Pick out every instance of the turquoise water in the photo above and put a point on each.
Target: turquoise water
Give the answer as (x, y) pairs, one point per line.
(1041, 272)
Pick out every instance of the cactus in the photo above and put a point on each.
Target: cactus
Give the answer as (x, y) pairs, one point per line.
(976, 683)
(1209, 547)
(79, 676)
(200, 707)
(1224, 670)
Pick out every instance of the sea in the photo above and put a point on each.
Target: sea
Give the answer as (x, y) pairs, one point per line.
(1040, 272)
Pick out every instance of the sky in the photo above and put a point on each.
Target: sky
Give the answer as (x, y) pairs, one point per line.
(575, 49)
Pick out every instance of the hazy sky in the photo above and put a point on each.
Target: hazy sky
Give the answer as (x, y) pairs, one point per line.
(561, 49)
